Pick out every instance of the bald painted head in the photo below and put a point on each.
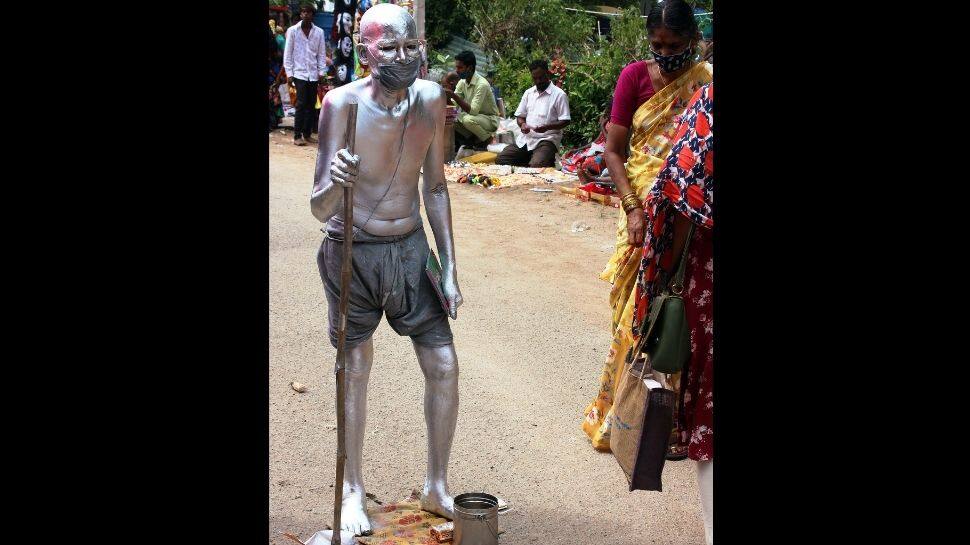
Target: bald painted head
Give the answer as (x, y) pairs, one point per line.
(390, 46)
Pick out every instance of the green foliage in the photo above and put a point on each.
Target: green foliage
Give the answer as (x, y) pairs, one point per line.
(629, 37)
(591, 68)
(515, 32)
(513, 78)
(441, 20)
(525, 27)
(441, 60)
(592, 4)
(591, 78)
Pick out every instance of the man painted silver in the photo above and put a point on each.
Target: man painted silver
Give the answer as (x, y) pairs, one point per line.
(400, 125)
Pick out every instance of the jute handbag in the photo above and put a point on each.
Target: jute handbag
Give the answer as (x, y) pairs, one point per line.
(643, 416)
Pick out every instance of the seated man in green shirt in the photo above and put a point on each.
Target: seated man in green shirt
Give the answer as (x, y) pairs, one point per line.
(479, 118)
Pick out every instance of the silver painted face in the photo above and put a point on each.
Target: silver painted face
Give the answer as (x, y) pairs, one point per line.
(389, 34)
(400, 49)
(391, 47)
(342, 72)
(346, 46)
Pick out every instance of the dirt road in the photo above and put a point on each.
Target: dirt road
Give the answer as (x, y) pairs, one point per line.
(531, 340)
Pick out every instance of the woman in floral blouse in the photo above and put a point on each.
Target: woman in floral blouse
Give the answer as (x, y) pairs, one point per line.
(684, 194)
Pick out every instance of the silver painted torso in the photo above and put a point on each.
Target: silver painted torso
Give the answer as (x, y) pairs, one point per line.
(379, 143)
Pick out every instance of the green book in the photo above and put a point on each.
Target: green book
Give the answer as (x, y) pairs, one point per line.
(433, 268)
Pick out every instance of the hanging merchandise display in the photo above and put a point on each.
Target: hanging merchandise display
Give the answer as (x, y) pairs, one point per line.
(360, 70)
(341, 40)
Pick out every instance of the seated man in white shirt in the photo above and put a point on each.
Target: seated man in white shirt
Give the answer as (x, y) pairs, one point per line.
(541, 115)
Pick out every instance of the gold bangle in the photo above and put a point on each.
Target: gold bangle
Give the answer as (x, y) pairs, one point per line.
(630, 201)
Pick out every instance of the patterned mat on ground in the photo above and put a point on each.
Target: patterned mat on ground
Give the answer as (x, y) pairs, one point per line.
(401, 523)
(508, 176)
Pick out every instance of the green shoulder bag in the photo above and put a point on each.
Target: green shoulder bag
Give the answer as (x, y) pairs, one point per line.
(665, 335)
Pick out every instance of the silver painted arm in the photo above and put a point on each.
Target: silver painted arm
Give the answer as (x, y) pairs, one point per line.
(437, 204)
(335, 167)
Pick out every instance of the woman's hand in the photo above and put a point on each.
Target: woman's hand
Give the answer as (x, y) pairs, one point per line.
(634, 227)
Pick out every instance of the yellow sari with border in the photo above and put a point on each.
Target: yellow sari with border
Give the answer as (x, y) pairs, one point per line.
(654, 125)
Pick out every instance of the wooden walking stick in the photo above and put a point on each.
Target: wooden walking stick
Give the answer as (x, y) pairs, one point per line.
(345, 274)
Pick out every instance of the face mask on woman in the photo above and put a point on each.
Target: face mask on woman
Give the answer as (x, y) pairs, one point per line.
(673, 63)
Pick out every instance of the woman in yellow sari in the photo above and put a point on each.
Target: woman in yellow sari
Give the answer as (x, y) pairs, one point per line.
(649, 100)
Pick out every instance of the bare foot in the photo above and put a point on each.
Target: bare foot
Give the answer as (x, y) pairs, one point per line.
(437, 500)
(353, 514)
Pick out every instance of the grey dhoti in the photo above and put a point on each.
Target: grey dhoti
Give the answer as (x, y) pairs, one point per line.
(388, 277)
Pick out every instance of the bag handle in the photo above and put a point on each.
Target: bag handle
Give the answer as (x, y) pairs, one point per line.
(676, 285)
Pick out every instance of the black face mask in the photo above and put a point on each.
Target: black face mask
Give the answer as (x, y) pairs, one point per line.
(396, 76)
(543, 86)
(673, 63)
